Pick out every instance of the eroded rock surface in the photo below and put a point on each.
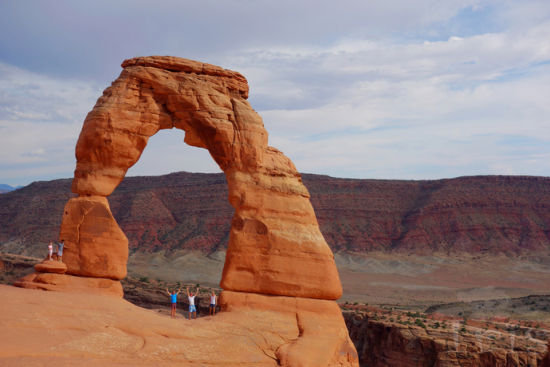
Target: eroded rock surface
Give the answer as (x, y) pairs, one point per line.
(95, 246)
(275, 244)
(80, 329)
(320, 339)
(390, 344)
(51, 266)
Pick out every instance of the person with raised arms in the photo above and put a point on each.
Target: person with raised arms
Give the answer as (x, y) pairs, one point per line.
(213, 299)
(192, 307)
(173, 300)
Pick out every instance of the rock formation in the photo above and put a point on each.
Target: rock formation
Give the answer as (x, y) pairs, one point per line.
(51, 266)
(275, 245)
(546, 359)
(80, 329)
(383, 343)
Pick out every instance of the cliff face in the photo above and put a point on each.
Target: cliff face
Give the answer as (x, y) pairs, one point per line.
(31, 216)
(389, 344)
(486, 214)
(467, 214)
(175, 211)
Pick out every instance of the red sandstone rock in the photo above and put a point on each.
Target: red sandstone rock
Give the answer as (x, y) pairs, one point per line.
(322, 341)
(51, 266)
(94, 244)
(68, 283)
(275, 244)
(80, 329)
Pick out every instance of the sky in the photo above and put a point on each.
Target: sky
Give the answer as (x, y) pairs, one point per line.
(361, 89)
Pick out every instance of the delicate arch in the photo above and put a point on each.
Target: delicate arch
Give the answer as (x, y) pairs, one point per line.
(275, 244)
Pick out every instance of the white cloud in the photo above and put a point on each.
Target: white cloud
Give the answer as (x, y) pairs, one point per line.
(403, 90)
(468, 105)
(41, 118)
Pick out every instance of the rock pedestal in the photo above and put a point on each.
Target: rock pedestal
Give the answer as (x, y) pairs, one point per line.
(51, 266)
(95, 246)
(50, 275)
(321, 340)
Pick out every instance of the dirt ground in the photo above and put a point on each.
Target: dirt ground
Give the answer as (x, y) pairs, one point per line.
(396, 279)
(377, 278)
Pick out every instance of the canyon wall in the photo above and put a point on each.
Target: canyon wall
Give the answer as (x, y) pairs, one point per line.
(189, 211)
(390, 344)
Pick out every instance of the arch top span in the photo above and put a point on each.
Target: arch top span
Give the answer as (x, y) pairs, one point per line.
(163, 92)
(275, 245)
(234, 81)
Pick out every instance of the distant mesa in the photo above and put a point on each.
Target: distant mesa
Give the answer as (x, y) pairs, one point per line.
(7, 188)
(275, 245)
(483, 215)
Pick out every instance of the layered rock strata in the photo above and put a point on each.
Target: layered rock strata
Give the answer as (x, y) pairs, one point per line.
(389, 344)
(275, 245)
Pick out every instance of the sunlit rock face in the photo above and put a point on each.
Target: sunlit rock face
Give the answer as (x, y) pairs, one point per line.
(275, 244)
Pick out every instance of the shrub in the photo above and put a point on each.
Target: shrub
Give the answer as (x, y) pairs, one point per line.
(419, 322)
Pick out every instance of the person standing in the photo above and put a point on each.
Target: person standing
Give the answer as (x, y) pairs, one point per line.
(173, 300)
(212, 308)
(192, 307)
(60, 246)
(50, 250)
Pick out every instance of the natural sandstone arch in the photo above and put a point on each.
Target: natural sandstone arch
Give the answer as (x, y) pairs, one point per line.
(275, 244)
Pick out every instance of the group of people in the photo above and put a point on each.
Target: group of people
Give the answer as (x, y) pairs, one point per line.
(191, 297)
(60, 246)
(173, 295)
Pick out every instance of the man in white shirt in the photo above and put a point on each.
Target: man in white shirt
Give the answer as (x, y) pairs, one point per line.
(191, 297)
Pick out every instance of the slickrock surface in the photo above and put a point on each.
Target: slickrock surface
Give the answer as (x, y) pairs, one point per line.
(70, 283)
(321, 340)
(77, 329)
